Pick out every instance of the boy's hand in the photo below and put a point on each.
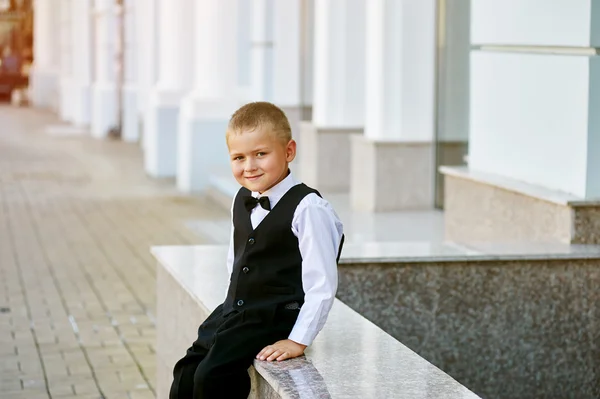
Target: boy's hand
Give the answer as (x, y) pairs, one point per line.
(281, 350)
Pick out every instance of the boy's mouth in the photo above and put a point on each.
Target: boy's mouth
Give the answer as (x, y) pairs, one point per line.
(251, 178)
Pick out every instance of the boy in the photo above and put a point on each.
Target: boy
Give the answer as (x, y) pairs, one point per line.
(285, 244)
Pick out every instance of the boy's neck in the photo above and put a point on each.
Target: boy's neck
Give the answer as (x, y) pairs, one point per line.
(278, 181)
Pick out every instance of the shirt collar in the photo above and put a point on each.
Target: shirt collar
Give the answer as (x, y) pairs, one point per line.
(276, 192)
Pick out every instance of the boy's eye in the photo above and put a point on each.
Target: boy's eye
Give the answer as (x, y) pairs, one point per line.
(238, 158)
(260, 154)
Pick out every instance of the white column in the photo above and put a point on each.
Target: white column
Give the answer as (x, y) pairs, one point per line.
(129, 129)
(287, 54)
(262, 50)
(307, 50)
(66, 65)
(287, 70)
(400, 71)
(147, 61)
(44, 71)
(104, 101)
(276, 48)
(176, 21)
(339, 95)
(393, 163)
(206, 111)
(81, 36)
(535, 93)
(56, 56)
(244, 49)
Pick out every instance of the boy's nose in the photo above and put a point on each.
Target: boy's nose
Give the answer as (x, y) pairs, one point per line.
(250, 166)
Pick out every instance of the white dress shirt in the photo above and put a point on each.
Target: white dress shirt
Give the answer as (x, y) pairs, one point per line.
(319, 232)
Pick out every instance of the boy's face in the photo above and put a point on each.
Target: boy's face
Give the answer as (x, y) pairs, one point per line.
(259, 160)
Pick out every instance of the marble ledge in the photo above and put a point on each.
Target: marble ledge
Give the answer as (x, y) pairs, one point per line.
(351, 357)
(531, 190)
(424, 251)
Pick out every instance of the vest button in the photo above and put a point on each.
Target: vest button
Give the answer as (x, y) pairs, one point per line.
(251, 241)
(245, 270)
(240, 303)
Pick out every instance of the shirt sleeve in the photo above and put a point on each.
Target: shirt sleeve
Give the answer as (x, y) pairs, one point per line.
(319, 233)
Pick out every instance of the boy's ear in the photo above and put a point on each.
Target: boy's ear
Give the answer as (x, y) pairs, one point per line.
(290, 151)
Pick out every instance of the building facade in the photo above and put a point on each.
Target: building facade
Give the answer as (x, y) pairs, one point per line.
(380, 93)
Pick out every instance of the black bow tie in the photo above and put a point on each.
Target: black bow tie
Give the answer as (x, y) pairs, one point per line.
(251, 202)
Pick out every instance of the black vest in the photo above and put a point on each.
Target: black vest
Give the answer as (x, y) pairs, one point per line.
(267, 269)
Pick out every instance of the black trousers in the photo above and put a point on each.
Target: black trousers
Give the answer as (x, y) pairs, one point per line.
(216, 365)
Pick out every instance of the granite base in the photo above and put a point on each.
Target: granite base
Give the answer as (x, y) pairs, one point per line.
(391, 175)
(44, 88)
(130, 129)
(324, 156)
(505, 329)
(103, 109)
(161, 141)
(481, 207)
(297, 115)
(81, 104)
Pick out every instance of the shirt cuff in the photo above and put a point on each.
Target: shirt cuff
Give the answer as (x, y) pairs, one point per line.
(302, 337)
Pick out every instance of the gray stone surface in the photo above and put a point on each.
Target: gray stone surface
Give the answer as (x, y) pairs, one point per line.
(484, 207)
(391, 175)
(351, 357)
(517, 186)
(586, 225)
(520, 329)
(427, 252)
(475, 211)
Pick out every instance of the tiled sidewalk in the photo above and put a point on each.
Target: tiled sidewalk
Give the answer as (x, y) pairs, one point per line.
(77, 283)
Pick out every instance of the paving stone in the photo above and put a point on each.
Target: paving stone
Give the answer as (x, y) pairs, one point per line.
(26, 395)
(10, 385)
(77, 219)
(86, 388)
(60, 390)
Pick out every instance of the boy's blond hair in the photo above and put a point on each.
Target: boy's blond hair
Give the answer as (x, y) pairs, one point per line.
(260, 114)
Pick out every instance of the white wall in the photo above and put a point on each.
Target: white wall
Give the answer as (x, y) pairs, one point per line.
(533, 116)
(529, 118)
(535, 22)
